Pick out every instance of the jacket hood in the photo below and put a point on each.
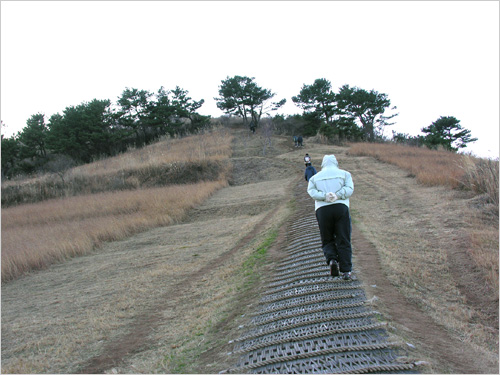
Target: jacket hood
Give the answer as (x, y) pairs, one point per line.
(329, 161)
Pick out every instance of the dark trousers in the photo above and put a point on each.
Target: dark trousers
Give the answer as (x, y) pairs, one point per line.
(334, 224)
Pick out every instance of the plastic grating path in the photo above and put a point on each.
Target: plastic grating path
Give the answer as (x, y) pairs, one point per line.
(309, 322)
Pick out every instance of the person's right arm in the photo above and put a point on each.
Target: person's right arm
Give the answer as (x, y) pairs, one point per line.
(348, 188)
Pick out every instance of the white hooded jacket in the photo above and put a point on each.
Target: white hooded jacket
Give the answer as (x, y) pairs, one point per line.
(330, 179)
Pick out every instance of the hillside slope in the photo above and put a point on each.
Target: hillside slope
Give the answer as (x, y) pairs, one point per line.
(168, 300)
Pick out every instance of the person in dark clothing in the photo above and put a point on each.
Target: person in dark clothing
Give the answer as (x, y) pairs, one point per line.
(331, 188)
(310, 170)
(299, 140)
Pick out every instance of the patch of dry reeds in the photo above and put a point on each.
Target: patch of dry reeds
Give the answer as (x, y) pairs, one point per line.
(438, 168)
(167, 179)
(429, 167)
(481, 177)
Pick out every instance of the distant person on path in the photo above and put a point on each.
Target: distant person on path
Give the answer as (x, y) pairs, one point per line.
(295, 141)
(310, 170)
(331, 188)
(252, 126)
(299, 141)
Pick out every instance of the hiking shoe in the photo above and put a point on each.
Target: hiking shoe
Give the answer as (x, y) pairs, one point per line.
(347, 276)
(334, 268)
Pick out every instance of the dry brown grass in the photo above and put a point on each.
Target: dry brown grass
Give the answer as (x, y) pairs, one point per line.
(171, 161)
(481, 176)
(451, 170)
(438, 168)
(194, 148)
(181, 283)
(483, 248)
(70, 312)
(430, 167)
(36, 235)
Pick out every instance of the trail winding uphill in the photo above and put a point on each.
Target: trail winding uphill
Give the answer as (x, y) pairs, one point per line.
(171, 299)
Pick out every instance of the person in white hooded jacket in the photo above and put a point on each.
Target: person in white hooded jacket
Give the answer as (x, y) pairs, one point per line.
(331, 188)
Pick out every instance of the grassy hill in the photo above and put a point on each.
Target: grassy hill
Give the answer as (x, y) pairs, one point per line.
(55, 217)
(187, 262)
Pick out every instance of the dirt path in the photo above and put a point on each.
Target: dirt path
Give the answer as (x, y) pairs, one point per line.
(168, 300)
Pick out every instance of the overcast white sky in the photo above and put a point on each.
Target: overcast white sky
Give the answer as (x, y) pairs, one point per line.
(431, 58)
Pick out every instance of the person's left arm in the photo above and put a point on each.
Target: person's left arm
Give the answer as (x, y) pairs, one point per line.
(313, 191)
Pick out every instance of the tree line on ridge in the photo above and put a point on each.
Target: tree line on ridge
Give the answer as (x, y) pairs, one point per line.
(100, 128)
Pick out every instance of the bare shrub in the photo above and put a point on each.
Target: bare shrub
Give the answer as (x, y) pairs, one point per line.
(227, 121)
(266, 132)
(320, 139)
(59, 164)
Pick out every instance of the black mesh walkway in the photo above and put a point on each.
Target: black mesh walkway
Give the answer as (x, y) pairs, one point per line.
(308, 322)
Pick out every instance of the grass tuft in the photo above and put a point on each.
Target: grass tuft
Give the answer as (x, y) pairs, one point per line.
(481, 177)
(256, 259)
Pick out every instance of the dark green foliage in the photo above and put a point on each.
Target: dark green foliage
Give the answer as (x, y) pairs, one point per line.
(326, 130)
(134, 113)
(82, 132)
(366, 107)
(306, 124)
(147, 117)
(242, 97)
(312, 123)
(160, 113)
(345, 128)
(319, 99)
(26, 152)
(404, 138)
(10, 155)
(33, 137)
(185, 107)
(92, 130)
(341, 113)
(342, 129)
(448, 133)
